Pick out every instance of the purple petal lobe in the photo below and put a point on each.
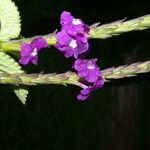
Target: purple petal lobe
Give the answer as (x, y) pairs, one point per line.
(91, 77)
(24, 60)
(39, 43)
(66, 18)
(63, 38)
(34, 60)
(82, 97)
(25, 49)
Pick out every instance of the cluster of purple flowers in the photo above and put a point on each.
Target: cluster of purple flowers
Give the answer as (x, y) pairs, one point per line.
(72, 41)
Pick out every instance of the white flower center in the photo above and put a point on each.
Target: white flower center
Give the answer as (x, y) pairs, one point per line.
(76, 21)
(73, 44)
(90, 65)
(34, 53)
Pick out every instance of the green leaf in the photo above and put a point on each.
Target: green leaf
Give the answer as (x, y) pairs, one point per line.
(10, 25)
(21, 93)
(9, 65)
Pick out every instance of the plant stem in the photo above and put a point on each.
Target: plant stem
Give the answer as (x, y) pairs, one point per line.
(14, 45)
(118, 27)
(34, 79)
(71, 77)
(126, 70)
(99, 32)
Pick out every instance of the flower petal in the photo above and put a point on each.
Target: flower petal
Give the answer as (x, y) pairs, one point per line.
(91, 77)
(39, 43)
(34, 60)
(83, 73)
(99, 83)
(82, 97)
(63, 38)
(69, 52)
(86, 91)
(79, 64)
(82, 47)
(24, 60)
(82, 37)
(26, 49)
(66, 18)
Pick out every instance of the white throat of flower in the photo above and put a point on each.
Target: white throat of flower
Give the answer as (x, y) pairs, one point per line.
(34, 53)
(73, 44)
(76, 21)
(90, 65)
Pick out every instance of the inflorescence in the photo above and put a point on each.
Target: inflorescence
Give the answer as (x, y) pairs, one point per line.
(72, 41)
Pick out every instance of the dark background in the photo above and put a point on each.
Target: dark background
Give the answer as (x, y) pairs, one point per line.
(116, 117)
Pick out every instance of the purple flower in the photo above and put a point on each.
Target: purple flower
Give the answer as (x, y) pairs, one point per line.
(71, 45)
(29, 51)
(89, 71)
(72, 25)
(84, 93)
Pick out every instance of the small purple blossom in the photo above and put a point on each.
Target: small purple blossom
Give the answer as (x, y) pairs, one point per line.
(71, 46)
(84, 93)
(29, 51)
(72, 25)
(88, 70)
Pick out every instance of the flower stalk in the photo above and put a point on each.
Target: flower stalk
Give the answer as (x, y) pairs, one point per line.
(99, 32)
(118, 27)
(14, 45)
(126, 70)
(72, 78)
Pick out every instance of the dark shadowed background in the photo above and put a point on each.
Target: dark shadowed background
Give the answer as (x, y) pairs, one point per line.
(116, 117)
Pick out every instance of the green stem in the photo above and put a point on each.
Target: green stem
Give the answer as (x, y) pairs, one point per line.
(100, 32)
(118, 27)
(14, 45)
(71, 77)
(34, 79)
(126, 70)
